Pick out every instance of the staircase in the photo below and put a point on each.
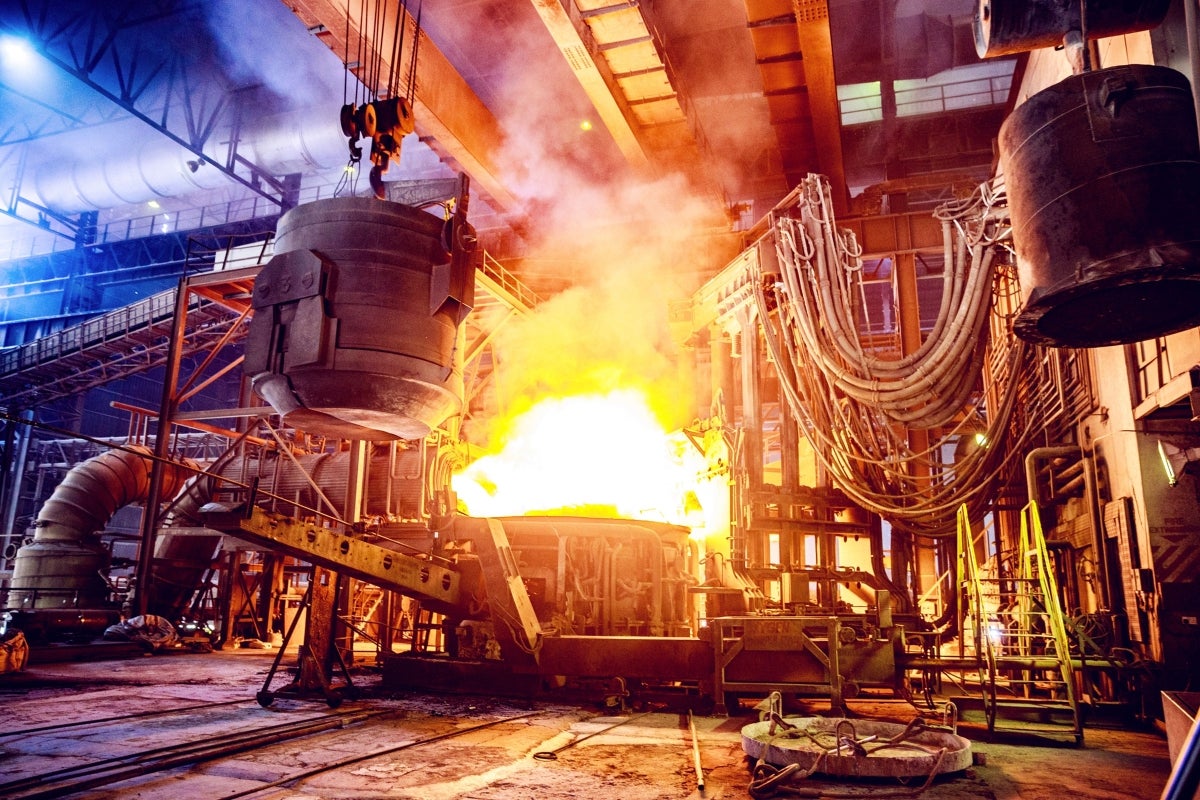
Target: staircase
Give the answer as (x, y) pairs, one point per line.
(367, 600)
(1026, 677)
(113, 345)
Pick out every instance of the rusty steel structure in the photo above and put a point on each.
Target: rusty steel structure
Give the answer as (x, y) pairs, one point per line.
(892, 408)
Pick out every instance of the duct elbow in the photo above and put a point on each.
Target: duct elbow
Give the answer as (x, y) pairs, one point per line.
(94, 490)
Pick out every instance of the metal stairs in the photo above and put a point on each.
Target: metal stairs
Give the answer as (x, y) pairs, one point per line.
(1026, 676)
(113, 345)
(135, 338)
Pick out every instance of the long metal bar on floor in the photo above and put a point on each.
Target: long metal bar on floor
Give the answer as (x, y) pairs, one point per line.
(375, 754)
(552, 755)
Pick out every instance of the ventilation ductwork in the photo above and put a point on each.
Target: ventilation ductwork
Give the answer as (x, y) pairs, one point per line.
(60, 575)
(1003, 27)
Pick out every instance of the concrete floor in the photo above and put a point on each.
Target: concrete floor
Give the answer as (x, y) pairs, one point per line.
(648, 756)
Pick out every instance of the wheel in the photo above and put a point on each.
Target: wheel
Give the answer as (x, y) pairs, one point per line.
(333, 698)
(368, 123)
(349, 124)
(265, 698)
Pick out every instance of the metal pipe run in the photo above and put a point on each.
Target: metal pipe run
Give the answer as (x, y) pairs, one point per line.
(61, 572)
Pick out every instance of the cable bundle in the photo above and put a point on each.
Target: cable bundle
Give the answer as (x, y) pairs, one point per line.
(858, 409)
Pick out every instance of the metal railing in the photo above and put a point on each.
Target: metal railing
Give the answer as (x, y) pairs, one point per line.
(158, 223)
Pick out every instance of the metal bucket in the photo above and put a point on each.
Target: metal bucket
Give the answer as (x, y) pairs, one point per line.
(1103, 177)
(1016, 26)
(354, 333)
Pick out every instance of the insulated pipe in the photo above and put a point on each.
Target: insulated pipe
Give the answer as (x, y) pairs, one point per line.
(62, 567)
(1041, 453)
(141, 167)
(303, 482)
(94, 490)
(1092, 495)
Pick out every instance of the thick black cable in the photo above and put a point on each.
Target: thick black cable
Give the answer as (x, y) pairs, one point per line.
(412, 70)
(397, 48)
(377, 57)
(346, 61)
(361, 86)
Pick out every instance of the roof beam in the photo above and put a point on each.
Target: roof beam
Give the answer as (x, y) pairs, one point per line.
(445, 108)
(566, 26)
(816, 45)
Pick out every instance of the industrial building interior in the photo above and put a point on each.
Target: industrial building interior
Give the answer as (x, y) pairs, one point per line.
(733, 359)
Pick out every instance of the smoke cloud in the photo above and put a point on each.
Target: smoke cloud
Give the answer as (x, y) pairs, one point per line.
(254, 51)
(627, 244)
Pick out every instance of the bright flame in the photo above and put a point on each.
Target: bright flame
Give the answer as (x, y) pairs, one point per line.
(587, 454)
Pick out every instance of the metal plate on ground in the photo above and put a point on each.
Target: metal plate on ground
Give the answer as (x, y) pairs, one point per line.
(868, 749)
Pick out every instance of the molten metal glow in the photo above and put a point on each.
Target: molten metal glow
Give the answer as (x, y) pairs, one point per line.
(593, 455)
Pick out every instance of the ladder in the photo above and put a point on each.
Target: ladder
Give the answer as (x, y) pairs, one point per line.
(367, 598)
(1016, 622)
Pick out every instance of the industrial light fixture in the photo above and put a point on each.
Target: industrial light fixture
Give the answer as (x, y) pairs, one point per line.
(1176, 460)
(16, 52)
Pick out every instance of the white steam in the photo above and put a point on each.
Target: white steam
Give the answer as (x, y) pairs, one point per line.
(627, 244)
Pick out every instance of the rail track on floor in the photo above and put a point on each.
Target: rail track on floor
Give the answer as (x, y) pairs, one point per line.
(238, 731)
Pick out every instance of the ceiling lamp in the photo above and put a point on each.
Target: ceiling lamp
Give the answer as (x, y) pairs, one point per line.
(1176, 460)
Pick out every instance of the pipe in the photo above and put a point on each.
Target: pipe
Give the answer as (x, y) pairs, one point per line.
(63, 564)
(16, 477)
(61, 568)
(306, 479)
(1092, 495)
(1039, 453)
(135, 168)
(94, 490)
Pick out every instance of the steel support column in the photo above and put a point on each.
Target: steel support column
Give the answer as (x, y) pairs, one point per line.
(162, 449)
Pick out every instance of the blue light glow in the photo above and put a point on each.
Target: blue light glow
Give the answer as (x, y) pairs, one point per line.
(16, 52)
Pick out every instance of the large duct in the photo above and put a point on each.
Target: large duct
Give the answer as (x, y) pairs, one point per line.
(1003, 27)
(141, 165)
(60, 575)
(398, 487)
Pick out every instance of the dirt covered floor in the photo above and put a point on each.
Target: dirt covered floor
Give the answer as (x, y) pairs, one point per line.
(59, 719)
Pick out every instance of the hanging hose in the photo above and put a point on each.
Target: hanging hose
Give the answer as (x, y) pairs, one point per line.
(857, 408)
